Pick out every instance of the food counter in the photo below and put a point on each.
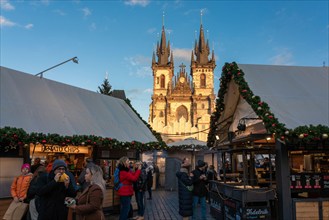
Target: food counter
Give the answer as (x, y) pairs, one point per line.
(233, 200)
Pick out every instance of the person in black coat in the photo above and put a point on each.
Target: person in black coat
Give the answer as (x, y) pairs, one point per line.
(200, 190)
(53, 192)
(185, 187)
(149, 171)
(35, 185)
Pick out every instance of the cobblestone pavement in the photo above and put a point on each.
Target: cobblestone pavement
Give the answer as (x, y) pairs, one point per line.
(163, 206)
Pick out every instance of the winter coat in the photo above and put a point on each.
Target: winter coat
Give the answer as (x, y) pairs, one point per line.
(89, 204)
(141, 184)
(199, 186)
(150, 179)
(127, 179)
(20, 185)
(32, 191)
(185, 196)
(52, 196)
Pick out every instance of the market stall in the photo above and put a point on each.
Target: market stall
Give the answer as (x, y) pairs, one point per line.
(41, 118)
(283, 109)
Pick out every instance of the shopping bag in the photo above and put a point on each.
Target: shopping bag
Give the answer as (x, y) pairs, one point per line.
(16, 210)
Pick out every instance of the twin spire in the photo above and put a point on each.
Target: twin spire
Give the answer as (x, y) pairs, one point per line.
(201, 50)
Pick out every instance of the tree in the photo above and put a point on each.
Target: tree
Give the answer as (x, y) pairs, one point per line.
(105, 88)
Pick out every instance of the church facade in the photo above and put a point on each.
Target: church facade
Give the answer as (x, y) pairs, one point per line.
(183, 103)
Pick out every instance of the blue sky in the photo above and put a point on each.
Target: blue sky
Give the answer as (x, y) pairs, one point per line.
(119, 37)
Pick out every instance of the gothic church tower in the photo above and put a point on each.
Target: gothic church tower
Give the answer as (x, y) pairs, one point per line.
(181, 105)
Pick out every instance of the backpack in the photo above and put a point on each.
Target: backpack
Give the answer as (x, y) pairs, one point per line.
(141, 183)
(117, 183)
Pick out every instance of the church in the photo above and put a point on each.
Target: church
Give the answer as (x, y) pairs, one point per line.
(183, 103)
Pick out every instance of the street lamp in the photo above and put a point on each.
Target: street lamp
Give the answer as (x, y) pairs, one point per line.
(74, 59)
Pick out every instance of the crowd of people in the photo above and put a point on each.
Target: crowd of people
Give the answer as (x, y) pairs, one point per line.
(52, 192)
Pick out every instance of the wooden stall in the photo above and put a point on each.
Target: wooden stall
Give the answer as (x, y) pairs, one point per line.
(305, 195)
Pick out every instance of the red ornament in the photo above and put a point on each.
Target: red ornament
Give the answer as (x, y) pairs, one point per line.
(239, 73)
(133, 142)
(270, 116)
(305, 135)
(260, 103)
(88, 140)
(43, 141)
(244, 90)
(273, 125)
(282, 137)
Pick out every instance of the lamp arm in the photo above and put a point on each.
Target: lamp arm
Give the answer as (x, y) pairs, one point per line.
(74, 59)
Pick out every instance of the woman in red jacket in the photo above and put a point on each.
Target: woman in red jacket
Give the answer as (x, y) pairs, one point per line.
(127, 178)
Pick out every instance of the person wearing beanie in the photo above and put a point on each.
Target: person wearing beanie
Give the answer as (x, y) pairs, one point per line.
(21, 184)
(200, 190)
(58, 163)
(55, 187)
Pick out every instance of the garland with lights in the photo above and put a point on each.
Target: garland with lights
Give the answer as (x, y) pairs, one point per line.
(300, 135)
(13, 138)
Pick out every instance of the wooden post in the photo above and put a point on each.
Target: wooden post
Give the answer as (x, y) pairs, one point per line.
(283, 182)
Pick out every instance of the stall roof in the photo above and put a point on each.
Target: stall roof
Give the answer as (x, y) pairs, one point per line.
(188, 142)
(297, 95)
(41, 105)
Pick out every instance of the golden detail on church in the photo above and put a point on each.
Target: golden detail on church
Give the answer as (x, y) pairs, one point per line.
(182, 104)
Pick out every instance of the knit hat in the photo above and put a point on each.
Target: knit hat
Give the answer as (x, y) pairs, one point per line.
(26, 165)
(59, 163)
(201, 163)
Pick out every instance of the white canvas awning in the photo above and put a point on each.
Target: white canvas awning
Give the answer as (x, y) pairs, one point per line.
(41, 105)
(296, 95)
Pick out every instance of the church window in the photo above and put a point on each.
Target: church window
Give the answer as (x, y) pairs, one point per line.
(202, 106)
(181, 112)
(161, 114)
(202, 80)
(162, 81)
(157, 80)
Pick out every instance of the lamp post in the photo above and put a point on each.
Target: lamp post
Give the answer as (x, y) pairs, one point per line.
(74, 59)
(193, 157)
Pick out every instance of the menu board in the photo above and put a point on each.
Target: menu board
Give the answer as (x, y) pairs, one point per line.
(309, 181)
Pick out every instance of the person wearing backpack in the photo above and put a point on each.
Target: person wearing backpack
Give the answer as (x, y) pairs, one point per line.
(140, 187)
(125, 189)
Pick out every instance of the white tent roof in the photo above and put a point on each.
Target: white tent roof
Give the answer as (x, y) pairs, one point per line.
(296, 95)
(41, 105)
(188, 142)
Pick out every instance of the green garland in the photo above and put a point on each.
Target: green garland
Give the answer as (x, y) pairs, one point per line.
(305, 134)
(12, 138)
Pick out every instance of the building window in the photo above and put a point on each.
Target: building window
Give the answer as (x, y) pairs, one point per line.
(202, 106)
(202, 80)
(161, 114)
(162, 81)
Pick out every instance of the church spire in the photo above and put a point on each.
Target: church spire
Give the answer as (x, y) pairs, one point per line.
(202, 47)
(163, 51)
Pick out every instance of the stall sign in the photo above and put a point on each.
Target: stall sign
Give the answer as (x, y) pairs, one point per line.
(47, 148)
(256, 212)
